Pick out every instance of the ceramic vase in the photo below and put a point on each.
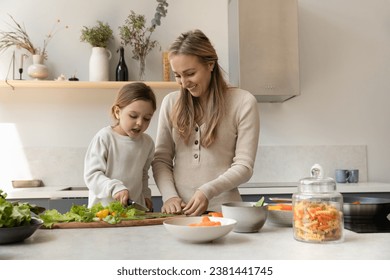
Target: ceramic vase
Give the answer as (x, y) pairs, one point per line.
(38, 70)
(99, 64)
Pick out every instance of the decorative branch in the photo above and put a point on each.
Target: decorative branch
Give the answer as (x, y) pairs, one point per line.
(19, 38)
(135, 33)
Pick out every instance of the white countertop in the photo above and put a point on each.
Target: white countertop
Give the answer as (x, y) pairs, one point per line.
(154, 242)
(50, 192)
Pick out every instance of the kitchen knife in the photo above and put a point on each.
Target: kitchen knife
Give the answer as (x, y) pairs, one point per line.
(137, 205)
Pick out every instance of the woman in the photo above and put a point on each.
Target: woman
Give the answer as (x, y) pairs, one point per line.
(207, 134)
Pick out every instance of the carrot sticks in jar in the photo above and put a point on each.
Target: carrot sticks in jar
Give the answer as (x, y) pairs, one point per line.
(317, 221)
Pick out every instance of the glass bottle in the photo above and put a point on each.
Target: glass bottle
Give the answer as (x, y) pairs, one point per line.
(122, 74)
(318, 209)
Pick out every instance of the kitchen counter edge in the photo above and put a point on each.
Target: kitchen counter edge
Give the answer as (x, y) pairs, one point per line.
(55, 192)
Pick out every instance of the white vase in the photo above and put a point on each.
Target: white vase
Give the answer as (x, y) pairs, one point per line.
(99, 64)
(38, 70)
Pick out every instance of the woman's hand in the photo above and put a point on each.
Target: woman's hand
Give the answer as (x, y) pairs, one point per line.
(122, 197)
(197, 205)
(174, 205)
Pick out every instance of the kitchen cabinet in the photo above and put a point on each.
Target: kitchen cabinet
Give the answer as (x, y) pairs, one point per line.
(42, 202)
(263, 48)
(63, 205)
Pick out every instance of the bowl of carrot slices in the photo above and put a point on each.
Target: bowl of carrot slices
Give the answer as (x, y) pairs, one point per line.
(280, 214)
(199, 229)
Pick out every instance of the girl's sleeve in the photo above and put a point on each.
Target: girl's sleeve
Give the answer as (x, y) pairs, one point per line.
(95, 166)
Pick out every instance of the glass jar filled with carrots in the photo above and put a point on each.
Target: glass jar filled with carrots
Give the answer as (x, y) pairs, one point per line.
(318, 209)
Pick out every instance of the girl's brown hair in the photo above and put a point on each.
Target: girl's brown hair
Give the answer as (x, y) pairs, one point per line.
(132, 92)
(187, 109)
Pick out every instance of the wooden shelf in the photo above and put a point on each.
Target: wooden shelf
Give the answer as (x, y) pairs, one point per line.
(80, 84)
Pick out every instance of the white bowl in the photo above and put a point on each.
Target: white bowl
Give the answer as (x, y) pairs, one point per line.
(179, 228)
(279, 217)
(250, 218)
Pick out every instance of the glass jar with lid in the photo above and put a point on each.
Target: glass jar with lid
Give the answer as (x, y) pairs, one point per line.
(318, 209)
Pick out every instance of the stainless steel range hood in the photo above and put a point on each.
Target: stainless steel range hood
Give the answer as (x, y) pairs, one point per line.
(263, 48)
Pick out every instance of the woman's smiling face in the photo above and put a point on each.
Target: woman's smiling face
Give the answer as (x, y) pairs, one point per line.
(191, 74)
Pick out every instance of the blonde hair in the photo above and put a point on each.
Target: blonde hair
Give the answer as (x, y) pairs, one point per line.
(132, 92)
(187, 108)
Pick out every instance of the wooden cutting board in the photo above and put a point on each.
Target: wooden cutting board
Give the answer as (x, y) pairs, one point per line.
(101, 224)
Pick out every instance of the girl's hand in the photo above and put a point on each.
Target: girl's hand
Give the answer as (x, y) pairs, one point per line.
(122, 197)
(174, 205)
(149, 204)
(197, 205)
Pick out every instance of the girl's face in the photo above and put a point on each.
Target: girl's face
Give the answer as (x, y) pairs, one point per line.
(191, 74)
(134, 119)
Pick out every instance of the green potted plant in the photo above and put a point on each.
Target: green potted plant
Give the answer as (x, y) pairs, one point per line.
(98, 37)
(137, 35)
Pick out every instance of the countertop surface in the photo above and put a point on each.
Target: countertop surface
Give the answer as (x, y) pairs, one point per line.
(50, 192)
(155, 242)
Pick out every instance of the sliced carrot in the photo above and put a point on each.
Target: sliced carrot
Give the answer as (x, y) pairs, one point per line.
(274, 207)
(206, 222)
(282, 207)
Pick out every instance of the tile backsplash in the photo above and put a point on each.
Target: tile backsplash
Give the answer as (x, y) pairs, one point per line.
(64, 166)
(292, 163)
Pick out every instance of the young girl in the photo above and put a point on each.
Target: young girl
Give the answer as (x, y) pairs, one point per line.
(119, 156)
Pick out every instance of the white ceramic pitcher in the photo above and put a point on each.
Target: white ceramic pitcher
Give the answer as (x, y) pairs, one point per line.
(99, 69)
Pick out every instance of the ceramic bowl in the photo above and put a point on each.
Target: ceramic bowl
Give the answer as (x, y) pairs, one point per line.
(18, 234)
(180, 229)
(249, 217)
(280, 217)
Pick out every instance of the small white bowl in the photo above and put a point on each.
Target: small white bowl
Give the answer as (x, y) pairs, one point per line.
(179, 228)
(280, 217)
(250, 218)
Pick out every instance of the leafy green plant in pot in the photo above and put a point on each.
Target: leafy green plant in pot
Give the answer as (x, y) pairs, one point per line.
(137, 35)
(98, 37)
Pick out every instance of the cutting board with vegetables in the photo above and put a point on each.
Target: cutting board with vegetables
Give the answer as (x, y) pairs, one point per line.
(98, 216)
(150, 219)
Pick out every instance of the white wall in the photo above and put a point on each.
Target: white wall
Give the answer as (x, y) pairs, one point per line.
(344, 64)
(345, 88)
(67, 55)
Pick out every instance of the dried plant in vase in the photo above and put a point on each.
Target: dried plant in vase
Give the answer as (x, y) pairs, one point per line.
(19, 38)
(137, 35)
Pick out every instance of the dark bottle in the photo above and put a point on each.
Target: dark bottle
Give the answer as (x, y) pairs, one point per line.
(122, 74)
